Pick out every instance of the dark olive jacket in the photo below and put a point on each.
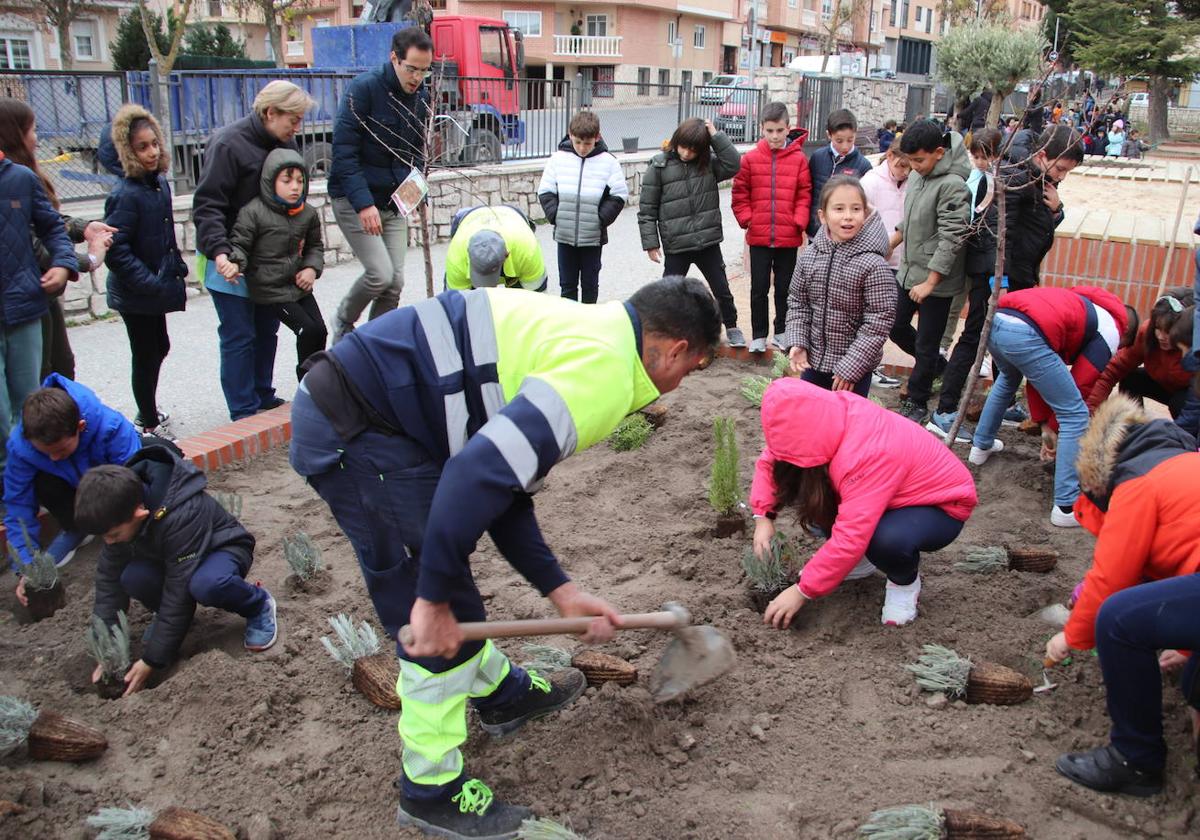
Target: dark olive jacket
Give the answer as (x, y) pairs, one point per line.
(680, 204)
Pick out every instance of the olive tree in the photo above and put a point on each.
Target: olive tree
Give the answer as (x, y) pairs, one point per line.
(988, 54)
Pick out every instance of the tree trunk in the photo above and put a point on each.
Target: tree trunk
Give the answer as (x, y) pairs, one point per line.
(274, 32)
(65, 59)
(993, 114)
(1157, 110)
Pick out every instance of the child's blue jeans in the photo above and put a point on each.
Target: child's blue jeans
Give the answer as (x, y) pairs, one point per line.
(20, 364)
(217, 582)
(1131, 627)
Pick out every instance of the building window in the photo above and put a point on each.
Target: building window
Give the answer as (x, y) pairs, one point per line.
(15, 54)
(913, 57)
(530, 23)
(672, 32)
(698, 38)
(788, 57)
(643, 81)
(436, 5)
(602, 82)
(792, 4)
(664, 82)
(685, 78)
(596, 26)
(892, 13)
(917, 16)
(826, 9)
(321, 23)
(929, 20)
(904, 14)
(707, 76)
(84, 40)
(214, 8)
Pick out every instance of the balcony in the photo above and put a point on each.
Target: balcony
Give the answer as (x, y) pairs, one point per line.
(809, 19)
(294, 49)
(588, 46)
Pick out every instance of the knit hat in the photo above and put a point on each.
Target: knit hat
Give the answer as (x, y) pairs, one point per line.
(486, 253)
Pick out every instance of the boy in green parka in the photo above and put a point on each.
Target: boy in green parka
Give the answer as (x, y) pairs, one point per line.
(277, 247)
(937, 213)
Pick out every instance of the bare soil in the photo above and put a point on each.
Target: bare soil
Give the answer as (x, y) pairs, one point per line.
(816, 726)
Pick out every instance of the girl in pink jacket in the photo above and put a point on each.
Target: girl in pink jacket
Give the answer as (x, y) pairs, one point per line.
(883, 488)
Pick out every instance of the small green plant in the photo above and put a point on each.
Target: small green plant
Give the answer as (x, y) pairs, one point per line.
(40, 573)
(16, 719)
(302, 555)
(781, 367)
(109, 646)
(545, 659)
(349, 643)
(122, 823)
(753, 388)
(543, 829)
(232, 502)
(771, 573)
(631, 433)
(984, 560)
(906, 822)
(941, 669)
(723, 491)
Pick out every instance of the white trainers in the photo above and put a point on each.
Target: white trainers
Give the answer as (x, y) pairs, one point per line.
(1063, 520)
(979, 456)
(777, 341)
(900, 603)
(864, 569)
(758, 345)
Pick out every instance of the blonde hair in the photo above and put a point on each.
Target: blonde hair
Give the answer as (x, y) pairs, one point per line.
(282, 96)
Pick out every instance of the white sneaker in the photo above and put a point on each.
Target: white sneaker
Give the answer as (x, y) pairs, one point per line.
(979, 456)
(864, 569)
(1063, 520)
(900, 603)
(777, 341)
(985, 368)
(758, 345)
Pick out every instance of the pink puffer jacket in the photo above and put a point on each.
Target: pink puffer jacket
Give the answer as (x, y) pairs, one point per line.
(886, 198)
(878, 461)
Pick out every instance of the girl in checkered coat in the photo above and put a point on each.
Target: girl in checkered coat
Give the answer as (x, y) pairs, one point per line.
(842, 299)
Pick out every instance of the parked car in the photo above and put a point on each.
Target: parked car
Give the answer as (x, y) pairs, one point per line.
(718, 87)
(1140, 98)
(880, 73)
(738, 114)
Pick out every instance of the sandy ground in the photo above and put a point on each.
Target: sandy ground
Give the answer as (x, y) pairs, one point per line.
(815, 728)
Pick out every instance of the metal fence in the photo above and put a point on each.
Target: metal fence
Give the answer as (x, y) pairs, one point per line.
(70, 109)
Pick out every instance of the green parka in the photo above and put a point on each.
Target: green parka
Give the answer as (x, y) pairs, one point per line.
(680, 204)
(937, 215)
(272, 242)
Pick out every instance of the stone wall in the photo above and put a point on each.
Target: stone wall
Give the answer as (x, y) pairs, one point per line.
(514, 184)
(1179, 120)
(873, 101)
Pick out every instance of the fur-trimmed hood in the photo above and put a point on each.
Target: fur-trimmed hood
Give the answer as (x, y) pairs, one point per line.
(1121, 444)
(124, 118)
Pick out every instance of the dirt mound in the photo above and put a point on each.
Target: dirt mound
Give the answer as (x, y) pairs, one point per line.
(814, 728)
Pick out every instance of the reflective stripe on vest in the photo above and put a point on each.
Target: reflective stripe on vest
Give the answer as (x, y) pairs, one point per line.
(477, 677)
(554, 408)
(448, 361)
(514, 447)
(484, 349)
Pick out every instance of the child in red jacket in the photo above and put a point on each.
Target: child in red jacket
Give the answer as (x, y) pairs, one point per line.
(772, 194)
(1142, 501)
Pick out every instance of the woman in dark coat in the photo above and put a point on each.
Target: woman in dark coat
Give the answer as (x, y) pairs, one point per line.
(229, 181)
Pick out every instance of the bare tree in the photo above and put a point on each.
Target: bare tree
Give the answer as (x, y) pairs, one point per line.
(180, 9)
(277, 15)
(843, 13)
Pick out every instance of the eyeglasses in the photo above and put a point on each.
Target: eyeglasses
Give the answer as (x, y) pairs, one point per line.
(1175, 303)
(413, 70)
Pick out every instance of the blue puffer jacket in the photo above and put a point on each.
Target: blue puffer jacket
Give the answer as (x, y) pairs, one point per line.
(24, 204)
(146, 272)
(107, 438)
(364, 170)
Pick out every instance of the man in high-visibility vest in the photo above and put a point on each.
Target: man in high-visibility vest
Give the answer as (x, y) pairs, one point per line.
(434, 424)
(494, 246)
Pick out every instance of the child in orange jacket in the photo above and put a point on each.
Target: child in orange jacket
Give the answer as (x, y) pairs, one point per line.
(1142, 501)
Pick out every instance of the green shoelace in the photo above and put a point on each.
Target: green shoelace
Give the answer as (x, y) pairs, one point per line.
(474, 797)
(539, 682)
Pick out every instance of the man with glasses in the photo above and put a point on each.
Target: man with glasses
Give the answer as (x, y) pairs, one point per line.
(435, 424)
(494, 246)
(378, 138)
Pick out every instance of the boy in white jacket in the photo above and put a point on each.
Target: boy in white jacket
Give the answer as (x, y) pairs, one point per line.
(583, 191)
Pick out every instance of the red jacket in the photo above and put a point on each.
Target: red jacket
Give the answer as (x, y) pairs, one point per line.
(772, 193)
(1142, 501)
(878, 461)
(1064, 320)
(1163, 366)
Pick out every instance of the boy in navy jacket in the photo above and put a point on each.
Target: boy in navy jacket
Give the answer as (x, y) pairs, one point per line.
(840, 157)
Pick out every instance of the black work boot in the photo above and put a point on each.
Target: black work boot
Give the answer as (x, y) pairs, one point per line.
(1105, 769)
(470, 814)
(544, 696)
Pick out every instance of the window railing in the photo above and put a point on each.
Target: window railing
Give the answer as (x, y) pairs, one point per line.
(294, 49)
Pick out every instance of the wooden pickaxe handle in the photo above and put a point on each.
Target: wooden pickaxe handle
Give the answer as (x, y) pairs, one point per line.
(474, 631)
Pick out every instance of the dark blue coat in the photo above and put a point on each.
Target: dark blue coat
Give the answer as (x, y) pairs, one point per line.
(364, 170)
(106, 152)
(822, 167)
(107, 438)
(146, 273)
(24, 204)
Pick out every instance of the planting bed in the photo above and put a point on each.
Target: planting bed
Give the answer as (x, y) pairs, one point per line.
(815, 727)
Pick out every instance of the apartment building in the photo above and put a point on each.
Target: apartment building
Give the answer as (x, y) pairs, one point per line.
(26, 44)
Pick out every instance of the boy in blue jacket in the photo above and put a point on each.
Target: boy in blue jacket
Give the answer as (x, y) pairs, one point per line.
(840, 157)
(64, 430)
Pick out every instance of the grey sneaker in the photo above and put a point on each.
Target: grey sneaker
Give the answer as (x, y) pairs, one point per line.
(735, 337)
(758, 345)
(881, 380)
(777, 341)
(340, 330)
(940, 425)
